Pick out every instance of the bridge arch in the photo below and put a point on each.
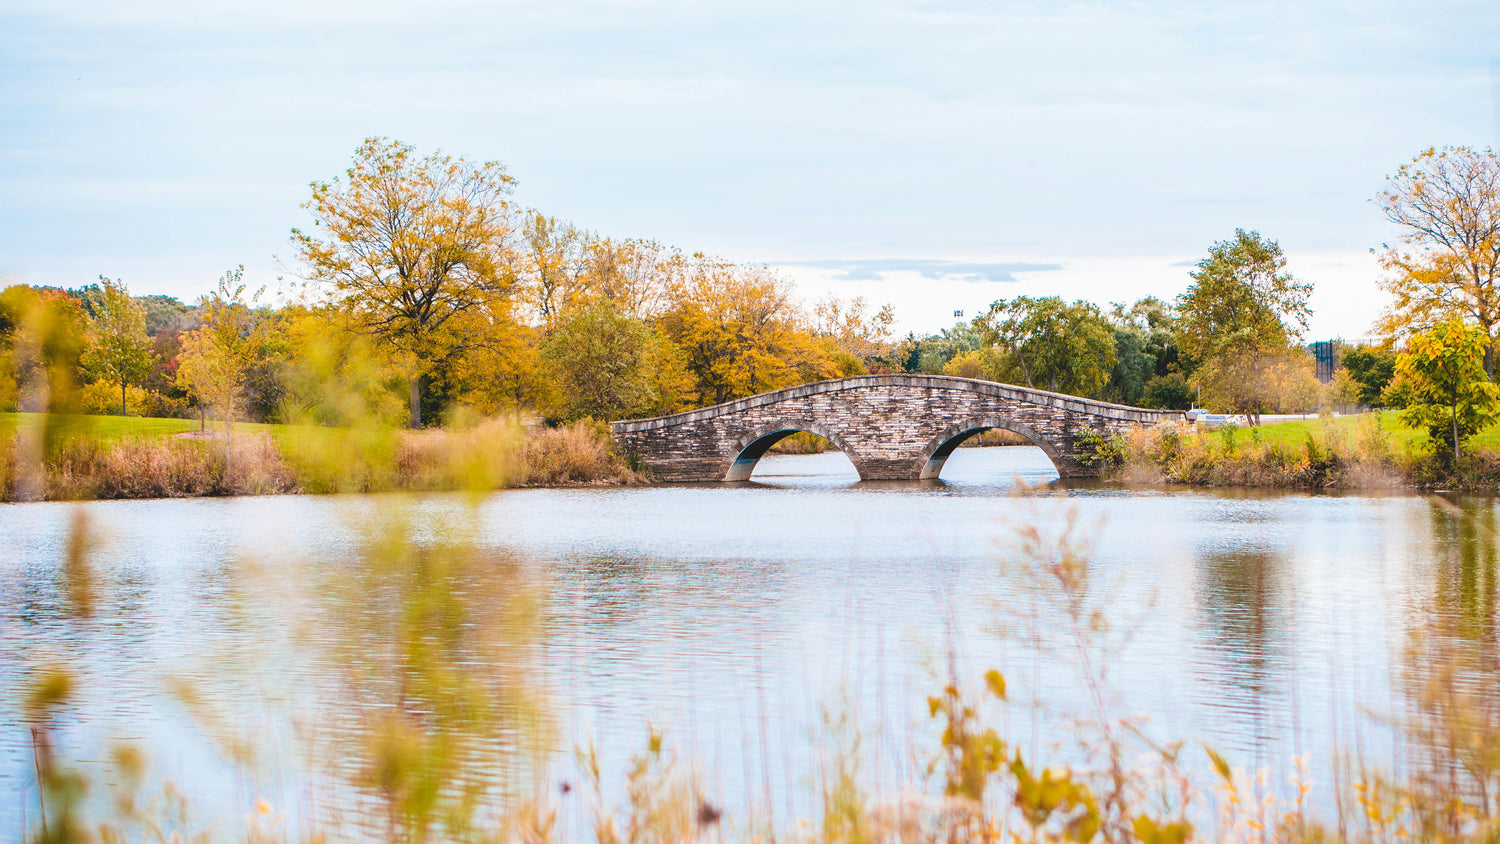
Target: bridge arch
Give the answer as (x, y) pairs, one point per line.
(753, 447)
(892, 427)
(941, 447)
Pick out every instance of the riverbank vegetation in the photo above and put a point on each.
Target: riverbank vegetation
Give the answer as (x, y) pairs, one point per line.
(1376, 450)
(423, 714)
(71, 458)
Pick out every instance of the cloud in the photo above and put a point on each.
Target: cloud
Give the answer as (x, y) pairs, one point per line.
(874, 269)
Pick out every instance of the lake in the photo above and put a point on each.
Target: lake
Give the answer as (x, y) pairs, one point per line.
(746, 621)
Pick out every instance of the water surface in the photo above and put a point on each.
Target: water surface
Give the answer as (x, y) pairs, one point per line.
(742, 617)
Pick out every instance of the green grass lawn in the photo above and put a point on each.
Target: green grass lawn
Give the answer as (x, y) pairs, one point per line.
(1404, 440)
(111, 428)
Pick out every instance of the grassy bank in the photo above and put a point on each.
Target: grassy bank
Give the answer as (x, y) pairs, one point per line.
(89, 457)
(1365, 451)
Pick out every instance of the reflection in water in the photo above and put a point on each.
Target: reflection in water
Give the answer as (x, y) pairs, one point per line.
(1445, 701)
(1464, 590)
(735, 615)
(1241, 596)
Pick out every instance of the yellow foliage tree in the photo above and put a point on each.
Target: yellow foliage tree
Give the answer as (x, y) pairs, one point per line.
(631, 273)
(852, 328)
(1446, 263)
(737, 330)
(553, 259)
(501, 367)
(408, 245)
(337, 376)
(217, 357)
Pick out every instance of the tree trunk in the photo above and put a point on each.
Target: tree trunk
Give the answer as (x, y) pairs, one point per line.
(1455, 426)
(123, 411)
(414, 384)
(228, 453)
(1025, 370)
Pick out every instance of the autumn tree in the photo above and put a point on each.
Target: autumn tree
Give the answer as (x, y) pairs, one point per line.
(852, 327)
(737, 329)
(41, 344)
(1051, 344)
(633, 273)
(118, 351)
(553, 259)
(501, 367)
(407, 244)
(218, 356)
(337, 375)
(1450, 395)
(1239, 321)
(1446, 262)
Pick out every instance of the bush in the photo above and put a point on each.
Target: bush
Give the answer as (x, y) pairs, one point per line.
(1167, 392)
(578, 453)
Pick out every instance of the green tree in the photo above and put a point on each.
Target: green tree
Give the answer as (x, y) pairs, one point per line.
(602, 358)
(1372, 370)
(1134, 367)
(1239, 319)
(118, 351)
(936, 351)
(164, 314)
(1168, 392)
(407, 245)
(1062, 347)
(1442, 372)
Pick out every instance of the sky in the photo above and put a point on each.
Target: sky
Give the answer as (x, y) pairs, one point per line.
(936, 156)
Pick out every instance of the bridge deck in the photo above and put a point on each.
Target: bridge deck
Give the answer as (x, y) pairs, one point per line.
(1059, 401)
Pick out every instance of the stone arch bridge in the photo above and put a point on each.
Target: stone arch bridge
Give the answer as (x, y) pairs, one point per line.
(892, 427)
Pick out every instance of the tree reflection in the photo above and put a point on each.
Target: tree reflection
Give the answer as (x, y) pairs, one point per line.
(1241, 598)
(1464, 560)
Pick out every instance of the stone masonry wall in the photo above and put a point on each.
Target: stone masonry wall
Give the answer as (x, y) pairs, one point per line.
(890, 426)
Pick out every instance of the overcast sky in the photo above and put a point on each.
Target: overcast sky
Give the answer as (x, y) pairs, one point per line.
(934, 155)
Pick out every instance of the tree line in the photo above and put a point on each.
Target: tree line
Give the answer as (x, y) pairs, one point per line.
(425, 288)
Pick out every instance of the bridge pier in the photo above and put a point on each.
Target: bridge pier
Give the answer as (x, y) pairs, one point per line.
(892, 427)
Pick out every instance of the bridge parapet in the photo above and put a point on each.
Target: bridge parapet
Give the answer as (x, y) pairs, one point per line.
(892, 427)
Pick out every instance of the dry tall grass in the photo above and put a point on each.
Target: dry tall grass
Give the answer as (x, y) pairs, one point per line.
(1174, 453)
(154, 468)
(494, 454)
(575, 454)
